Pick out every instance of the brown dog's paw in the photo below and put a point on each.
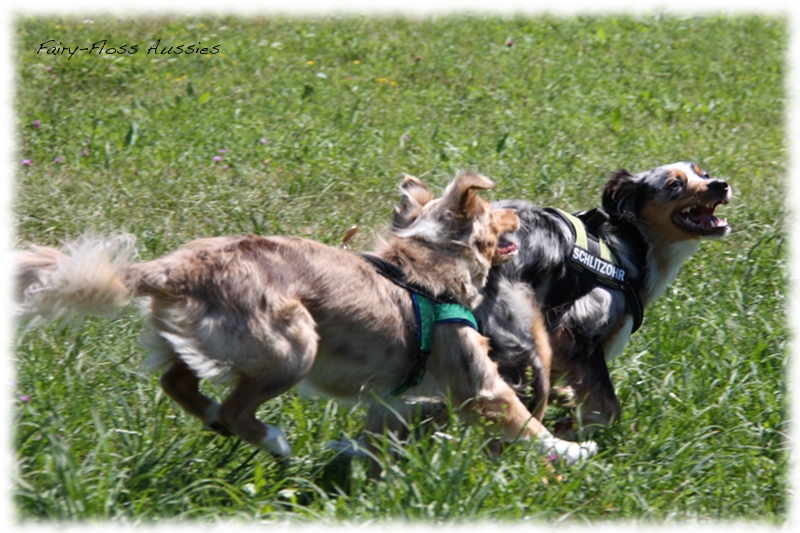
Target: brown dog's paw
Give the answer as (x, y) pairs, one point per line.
(569, 452)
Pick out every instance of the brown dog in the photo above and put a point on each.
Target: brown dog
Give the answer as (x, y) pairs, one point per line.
(272, 313)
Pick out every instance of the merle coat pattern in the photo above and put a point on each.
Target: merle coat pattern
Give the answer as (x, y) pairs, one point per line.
(657, 220)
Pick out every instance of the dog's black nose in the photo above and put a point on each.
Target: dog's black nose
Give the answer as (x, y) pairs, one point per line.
(718, 186)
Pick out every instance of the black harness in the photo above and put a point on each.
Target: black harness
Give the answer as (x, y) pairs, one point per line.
(595, 262)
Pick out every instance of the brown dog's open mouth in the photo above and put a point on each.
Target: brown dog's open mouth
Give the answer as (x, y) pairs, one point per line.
(506, 249)
(700, 219)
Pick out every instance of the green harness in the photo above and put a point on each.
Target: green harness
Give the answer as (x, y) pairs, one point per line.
(428, 311)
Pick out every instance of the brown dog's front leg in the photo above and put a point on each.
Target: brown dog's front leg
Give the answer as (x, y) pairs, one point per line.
(499, 403)
(484, 393)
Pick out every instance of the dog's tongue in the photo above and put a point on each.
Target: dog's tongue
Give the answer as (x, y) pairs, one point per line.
(506, 247)
(704, 217)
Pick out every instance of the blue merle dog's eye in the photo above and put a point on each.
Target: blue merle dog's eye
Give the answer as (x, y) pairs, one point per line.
(675, 186)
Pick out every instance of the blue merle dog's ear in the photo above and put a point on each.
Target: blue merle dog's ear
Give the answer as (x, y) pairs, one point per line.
(415, 195)
(621, 196)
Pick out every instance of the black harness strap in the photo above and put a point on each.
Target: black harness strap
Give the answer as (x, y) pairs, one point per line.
(593, 258)
(396, 275)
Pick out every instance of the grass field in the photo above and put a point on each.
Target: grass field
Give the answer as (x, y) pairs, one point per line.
(304, 126)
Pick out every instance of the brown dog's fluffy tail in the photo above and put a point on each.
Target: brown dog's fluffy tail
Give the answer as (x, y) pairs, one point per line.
(89, 277)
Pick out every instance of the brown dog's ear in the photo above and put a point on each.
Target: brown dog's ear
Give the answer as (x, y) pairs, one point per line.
(621, 195)
(414, 195)
(460, 197)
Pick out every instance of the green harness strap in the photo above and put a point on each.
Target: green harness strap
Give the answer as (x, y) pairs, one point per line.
(430, 313)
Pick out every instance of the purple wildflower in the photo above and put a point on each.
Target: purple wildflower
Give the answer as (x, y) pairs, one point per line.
(223, 151)
(27, 162)
(217, 158)
(58, 160)
(37, 124)
(85, 152)
(25, 398)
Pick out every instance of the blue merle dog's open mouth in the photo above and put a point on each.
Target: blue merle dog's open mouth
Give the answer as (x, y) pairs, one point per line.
(701, 220)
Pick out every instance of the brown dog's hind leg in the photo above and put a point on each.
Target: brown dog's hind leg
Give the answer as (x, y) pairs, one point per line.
(183, 386)
(281, 354)
(238, 413)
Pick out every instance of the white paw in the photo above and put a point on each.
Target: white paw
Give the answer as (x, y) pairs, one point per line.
(275, 443)
(570, 452)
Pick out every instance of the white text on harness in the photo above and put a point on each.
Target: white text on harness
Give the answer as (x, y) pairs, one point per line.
(597, 265)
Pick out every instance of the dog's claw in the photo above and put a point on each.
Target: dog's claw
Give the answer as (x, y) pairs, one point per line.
(570, 452)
